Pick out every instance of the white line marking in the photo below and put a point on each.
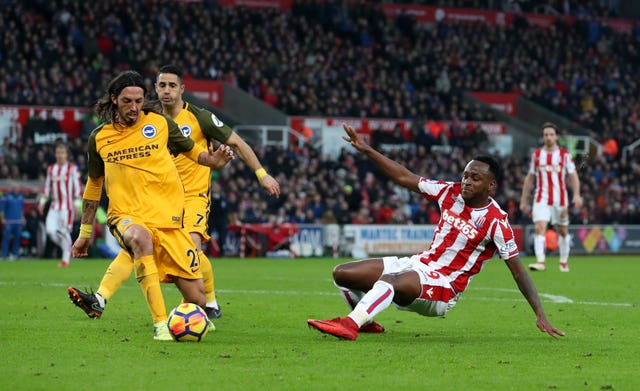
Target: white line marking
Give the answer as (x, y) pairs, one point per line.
(557, 299)
(551, 298)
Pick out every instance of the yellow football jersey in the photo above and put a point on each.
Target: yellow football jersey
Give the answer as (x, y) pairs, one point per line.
(202, 127)
(141, 179)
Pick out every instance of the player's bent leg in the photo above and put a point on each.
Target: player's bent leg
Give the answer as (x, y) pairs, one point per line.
(212, 308)
(352, 297)
(207, 276)
(358, 275)
(192, 290)
(147, 276)
(137, 238)
(116, 274)
(376, 300)
(406, 285)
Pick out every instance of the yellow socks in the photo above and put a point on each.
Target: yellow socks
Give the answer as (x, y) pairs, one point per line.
(147, 276)
(117, 273)
(207, 276)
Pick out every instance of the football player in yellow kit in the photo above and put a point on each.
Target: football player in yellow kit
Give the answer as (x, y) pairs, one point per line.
(131, 154)
(202, 127)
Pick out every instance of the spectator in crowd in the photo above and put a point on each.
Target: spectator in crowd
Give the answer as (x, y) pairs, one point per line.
(219, 218)
(12, 219)
(33, 229)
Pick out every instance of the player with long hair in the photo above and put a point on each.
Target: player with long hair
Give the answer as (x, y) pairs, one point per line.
(131, 152)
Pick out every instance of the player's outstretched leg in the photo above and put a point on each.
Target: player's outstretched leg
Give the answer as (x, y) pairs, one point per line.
(344, 328)
(92, 304)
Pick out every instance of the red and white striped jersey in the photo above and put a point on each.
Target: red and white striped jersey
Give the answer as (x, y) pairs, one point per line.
(465, 237)
(550, 169)
(62, 185)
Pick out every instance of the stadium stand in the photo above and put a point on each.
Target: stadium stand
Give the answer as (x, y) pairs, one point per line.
(341, 59)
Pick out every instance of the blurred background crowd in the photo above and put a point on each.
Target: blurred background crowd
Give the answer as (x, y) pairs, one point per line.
(341, 58)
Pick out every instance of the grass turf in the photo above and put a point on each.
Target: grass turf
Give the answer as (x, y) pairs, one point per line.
(488, 342)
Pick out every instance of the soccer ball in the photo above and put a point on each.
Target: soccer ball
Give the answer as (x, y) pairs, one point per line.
(188, 323)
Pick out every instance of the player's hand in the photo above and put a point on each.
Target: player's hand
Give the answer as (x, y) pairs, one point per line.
(546, 327)
(577, 201)
(524, 207)
(80, 248)
(218, 158)
(270, 185)
(354, 139)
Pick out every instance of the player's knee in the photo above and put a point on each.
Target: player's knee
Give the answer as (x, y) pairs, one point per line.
(343, 275)
(406, 290)
(139, 240)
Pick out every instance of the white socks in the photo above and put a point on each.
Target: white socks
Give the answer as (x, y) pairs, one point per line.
(100, 299)
(538, 248)
(350, 297)
(372, 303)
(65, 245)
(564, 244)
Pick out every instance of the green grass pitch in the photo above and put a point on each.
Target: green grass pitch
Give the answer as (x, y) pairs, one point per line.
(487, 342)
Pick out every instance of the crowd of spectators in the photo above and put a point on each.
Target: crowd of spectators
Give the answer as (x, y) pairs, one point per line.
(338, 59)
(329, 58)
(597, 8)
(349, 190)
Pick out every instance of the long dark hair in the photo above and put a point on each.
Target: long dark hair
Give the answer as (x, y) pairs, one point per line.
(105, 108)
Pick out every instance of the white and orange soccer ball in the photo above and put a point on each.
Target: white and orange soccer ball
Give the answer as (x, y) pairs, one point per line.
(188, 323)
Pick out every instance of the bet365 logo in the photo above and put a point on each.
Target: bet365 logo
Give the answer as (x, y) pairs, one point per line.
(461, 224)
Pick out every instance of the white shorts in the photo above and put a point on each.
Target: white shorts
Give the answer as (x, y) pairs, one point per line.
(557, 215)
(59, 220)
(437, 296)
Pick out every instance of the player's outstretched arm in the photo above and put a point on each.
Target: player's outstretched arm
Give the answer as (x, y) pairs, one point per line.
(529, 291)
(249, 157)
(394, 170)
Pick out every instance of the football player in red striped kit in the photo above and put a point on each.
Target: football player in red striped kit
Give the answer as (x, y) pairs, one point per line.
(62, 185)
(472, 228)
(551, 166)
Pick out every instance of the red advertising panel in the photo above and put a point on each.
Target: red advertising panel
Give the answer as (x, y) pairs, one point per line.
(282, 5)
(207, 90)
(428, 14)
(70, 118)
(367, 126)
(505, 102)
